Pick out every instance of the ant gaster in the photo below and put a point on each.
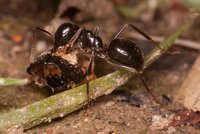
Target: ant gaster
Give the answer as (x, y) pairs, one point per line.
(71, 61)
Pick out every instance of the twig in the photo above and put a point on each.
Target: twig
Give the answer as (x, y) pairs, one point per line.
(12, 81)
(189, 93)
(180, 42)
(68, 101)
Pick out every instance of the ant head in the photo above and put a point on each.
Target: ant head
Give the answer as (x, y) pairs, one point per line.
(64, 33)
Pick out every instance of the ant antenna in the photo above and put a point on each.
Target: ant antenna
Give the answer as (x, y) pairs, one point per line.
(42, 30)
(33, 46)
(96, 30)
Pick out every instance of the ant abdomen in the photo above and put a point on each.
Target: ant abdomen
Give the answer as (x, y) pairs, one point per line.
(126, 52)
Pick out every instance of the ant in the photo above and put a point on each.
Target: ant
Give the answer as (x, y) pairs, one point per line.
(71, 61)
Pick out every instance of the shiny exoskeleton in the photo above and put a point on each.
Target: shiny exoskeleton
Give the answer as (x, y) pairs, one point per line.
(71, 61)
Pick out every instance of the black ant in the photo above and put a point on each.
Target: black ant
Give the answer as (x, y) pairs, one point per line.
(71, 61)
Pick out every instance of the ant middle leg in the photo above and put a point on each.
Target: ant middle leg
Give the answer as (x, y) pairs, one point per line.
(154, 97)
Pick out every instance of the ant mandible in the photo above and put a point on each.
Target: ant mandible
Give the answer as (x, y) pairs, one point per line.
(63, 66)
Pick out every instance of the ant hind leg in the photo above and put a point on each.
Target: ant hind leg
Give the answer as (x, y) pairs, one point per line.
(145, 35)
(155, 98)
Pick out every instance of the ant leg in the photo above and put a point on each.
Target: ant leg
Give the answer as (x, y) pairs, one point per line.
(155, 98)
(33, 44)
(88, 75)
(90, 69)
(140, 32)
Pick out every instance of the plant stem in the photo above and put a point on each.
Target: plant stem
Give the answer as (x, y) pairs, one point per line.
(12, 81)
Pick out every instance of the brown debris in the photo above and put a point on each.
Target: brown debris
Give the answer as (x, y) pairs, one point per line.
(17, 38)
(98, 13)
(188, 95)
(184, 117)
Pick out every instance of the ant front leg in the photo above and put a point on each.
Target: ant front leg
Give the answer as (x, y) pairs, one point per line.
(140, 32)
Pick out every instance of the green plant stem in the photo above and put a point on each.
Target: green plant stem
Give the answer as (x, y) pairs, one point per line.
(12, 82)
(68, 101)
